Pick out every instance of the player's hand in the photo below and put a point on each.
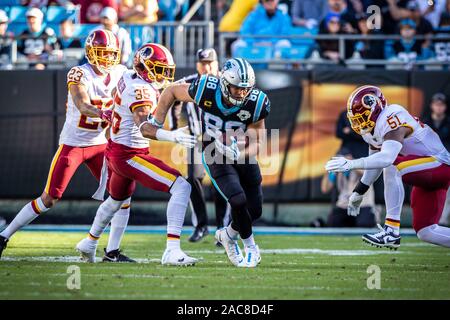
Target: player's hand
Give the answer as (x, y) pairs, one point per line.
(338, 164)
(106, 115)
(181, 137)
(232, 152)
(354, 204)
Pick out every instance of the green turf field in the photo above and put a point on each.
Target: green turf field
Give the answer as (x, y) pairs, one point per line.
(34, 266)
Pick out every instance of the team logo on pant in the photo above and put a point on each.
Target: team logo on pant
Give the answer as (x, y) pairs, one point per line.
(244, 115)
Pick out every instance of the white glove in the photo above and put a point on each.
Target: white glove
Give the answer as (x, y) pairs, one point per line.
(231, 152)
(178, 136)
(341, 164)
(354, 204)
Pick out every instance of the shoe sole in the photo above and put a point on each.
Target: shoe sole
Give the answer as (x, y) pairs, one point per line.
(390, 246)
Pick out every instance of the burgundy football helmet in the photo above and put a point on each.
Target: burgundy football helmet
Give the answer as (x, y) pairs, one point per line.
(154, 64)
(363, 108)
(102, 50)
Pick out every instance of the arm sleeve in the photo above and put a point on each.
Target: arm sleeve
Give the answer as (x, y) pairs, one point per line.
(379, 160)
(372, 175)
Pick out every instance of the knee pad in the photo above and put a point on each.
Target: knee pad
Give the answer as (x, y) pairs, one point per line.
(424, 234)
(238, 201)
(181, 187)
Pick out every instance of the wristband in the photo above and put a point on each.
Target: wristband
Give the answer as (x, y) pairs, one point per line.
(155, 123)
(361, 188)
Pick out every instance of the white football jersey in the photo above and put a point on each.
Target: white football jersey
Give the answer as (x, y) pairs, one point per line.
(132, 92)
(423, 141)
(79, 130)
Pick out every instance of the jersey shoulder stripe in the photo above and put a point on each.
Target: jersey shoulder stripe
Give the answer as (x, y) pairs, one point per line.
(138, 104)
(259, 105)
(200, 89)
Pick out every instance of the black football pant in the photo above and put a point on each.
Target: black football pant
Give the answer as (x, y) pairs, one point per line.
(240, 185)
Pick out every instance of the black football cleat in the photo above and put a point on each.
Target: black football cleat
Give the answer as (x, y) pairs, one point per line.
(198, 234)
(383, 239)
(116, 256)
(3, 243)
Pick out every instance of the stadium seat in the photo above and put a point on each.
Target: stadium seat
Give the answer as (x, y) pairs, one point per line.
(17, 14)
(83, 30)
(303, 31)
(296, 52)
(17, 28)
(56, 14)
(254, 52)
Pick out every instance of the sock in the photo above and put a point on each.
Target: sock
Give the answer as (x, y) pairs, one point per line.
(29, 212)
(233, 234)
(176, 208)
(435, 234)
(393, 224)
(118, 225)
(103, 217)
(173, 241)
(249, 242)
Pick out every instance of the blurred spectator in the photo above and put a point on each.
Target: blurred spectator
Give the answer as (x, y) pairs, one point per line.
(138, 11)
(109, 22)
(6, 39)
(347, 18)
(392, 11)
(439, 118)
(369, 49)
(220, 8)
(441, 45)
(329, 49)
(432, 10)
(308, 13)
(37, 42)
(233, 19)
(343, 184)
(350, 139)
(90, 9)
(266, 19)
(407, 49)
(66, 39)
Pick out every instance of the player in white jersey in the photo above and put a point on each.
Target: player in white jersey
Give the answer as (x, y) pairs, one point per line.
(82, 139)
(405, 150)
(128, 157)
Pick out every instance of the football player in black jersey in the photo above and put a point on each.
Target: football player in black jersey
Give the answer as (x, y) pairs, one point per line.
(227, 103)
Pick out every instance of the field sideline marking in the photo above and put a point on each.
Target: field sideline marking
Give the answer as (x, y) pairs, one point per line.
(288, 231)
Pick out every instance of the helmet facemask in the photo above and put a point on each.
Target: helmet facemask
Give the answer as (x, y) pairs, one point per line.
(103, 58)
(226, 92)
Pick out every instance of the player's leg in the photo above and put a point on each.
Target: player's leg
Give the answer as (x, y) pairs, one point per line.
(196, 174)
(156, 175)
(120, 189)
(223, 212)
(427, 206)
(226, 181)
(445, 218)
(64, 164)
(95, 161)
(394, 195)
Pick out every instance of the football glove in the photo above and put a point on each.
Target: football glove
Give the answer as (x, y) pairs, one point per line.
(179, 136)
(232, 152)
(341, 164)
(354, 204)
(106, 115)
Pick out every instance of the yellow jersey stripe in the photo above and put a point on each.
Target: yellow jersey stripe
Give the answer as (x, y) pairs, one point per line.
(154, 168)
(52, 167)
(415, 162)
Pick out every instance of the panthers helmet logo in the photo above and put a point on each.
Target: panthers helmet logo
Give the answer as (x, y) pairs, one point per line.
(244, 115)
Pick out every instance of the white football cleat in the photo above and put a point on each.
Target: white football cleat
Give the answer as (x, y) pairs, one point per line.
(87, 249)
(252, 257)
(176, 257)
(231, 246)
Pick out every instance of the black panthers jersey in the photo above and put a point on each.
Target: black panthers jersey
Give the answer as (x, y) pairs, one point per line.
(217, 116)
